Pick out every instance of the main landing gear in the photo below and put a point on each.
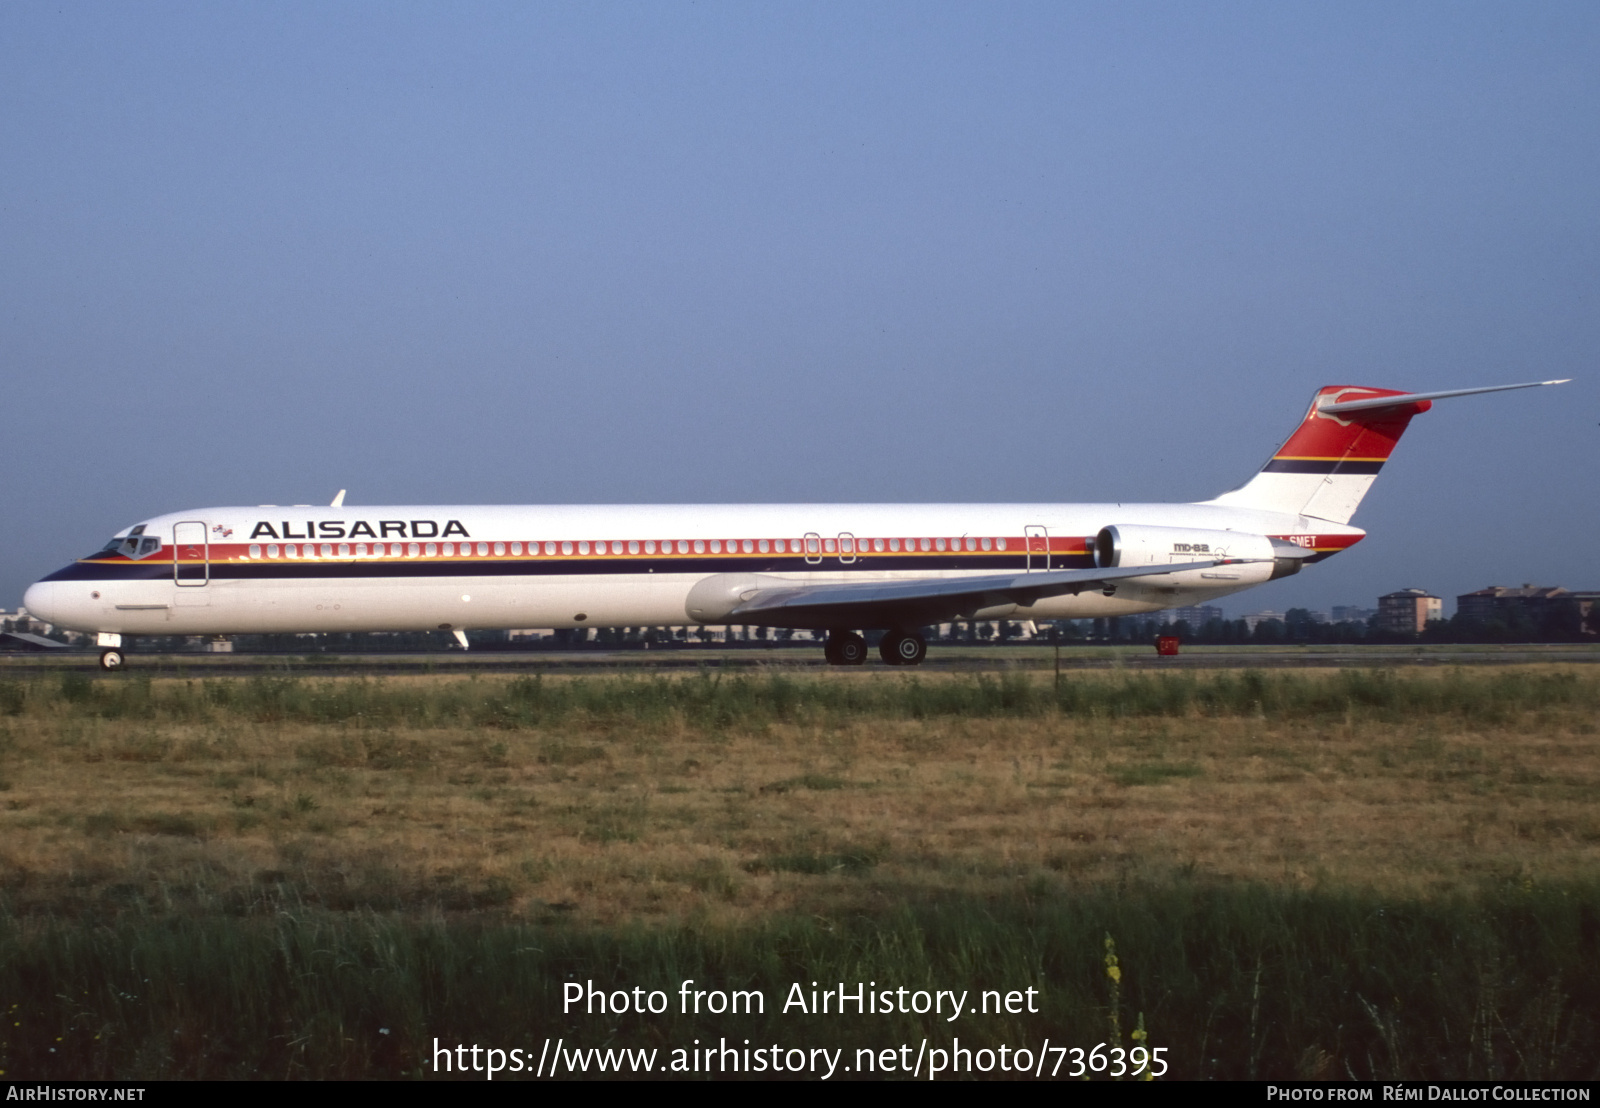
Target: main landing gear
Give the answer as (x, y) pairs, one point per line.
(845, 648)
(111, 660)
(898, 648)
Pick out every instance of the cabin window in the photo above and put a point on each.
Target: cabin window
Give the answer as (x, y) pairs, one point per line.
(361, 550)
(649, 546)
(448, 550)
(344, 550)
(272, 550)
(291, 551)
(699, 546)
(987, 544)
(327, 550)
(894, 544)
(763, 546)
(939, 543)
(683, 546)
(431, 549)
(413, 549)
(583, 548)
(1000, 544)
(550, 548)
(925, 545)
(877, 545)
(499, 549)
(829, 546)
(516, 548)
(633, 546)
(716, 546)
(255, 551)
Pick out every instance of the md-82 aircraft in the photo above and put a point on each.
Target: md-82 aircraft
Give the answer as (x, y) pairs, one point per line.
(838, 568)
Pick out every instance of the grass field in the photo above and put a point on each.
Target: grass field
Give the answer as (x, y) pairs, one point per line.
(1316, 873)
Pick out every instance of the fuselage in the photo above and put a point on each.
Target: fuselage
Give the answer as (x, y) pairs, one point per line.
(238, 570)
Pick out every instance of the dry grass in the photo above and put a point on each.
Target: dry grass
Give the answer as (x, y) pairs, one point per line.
(613, 819)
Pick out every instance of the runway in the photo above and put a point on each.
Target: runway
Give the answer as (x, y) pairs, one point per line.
(941, 659)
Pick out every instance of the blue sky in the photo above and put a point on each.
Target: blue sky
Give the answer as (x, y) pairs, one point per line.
(566, 253)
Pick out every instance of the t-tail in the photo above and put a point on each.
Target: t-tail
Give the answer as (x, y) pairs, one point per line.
(1331, 460)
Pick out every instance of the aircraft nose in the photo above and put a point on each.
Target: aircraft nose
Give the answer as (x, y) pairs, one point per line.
(40, 600)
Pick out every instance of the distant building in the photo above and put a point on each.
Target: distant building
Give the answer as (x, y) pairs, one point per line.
(1588, 605)
(1253, 618)
(1195, 615)
(1408, 611)
(1545, 607)
(22, 623)
(1348, 613)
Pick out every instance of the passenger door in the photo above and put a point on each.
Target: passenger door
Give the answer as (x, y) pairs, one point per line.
(191, 554)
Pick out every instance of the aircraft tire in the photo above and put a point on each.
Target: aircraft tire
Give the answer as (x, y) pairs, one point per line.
(111, 660)
(845, 648)
(901, 649)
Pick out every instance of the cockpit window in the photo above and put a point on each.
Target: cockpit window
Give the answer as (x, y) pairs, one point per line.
(135, 546)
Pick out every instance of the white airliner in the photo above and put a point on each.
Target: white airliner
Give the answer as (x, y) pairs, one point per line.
(839, 568)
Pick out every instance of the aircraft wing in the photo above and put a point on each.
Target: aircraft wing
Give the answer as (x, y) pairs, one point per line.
(748, 599)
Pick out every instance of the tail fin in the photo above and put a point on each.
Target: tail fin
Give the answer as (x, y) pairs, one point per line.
(1331, 460)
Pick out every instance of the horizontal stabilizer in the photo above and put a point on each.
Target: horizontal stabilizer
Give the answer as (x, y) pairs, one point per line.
(1378, 402)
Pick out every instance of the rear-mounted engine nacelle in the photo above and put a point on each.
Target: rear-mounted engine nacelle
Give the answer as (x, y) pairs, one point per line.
(1134, 545)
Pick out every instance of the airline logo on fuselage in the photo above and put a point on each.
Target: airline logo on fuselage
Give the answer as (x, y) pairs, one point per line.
(383, 529)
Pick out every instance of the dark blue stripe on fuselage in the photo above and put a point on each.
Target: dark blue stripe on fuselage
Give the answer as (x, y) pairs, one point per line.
(374, 569)
(1318, 465)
